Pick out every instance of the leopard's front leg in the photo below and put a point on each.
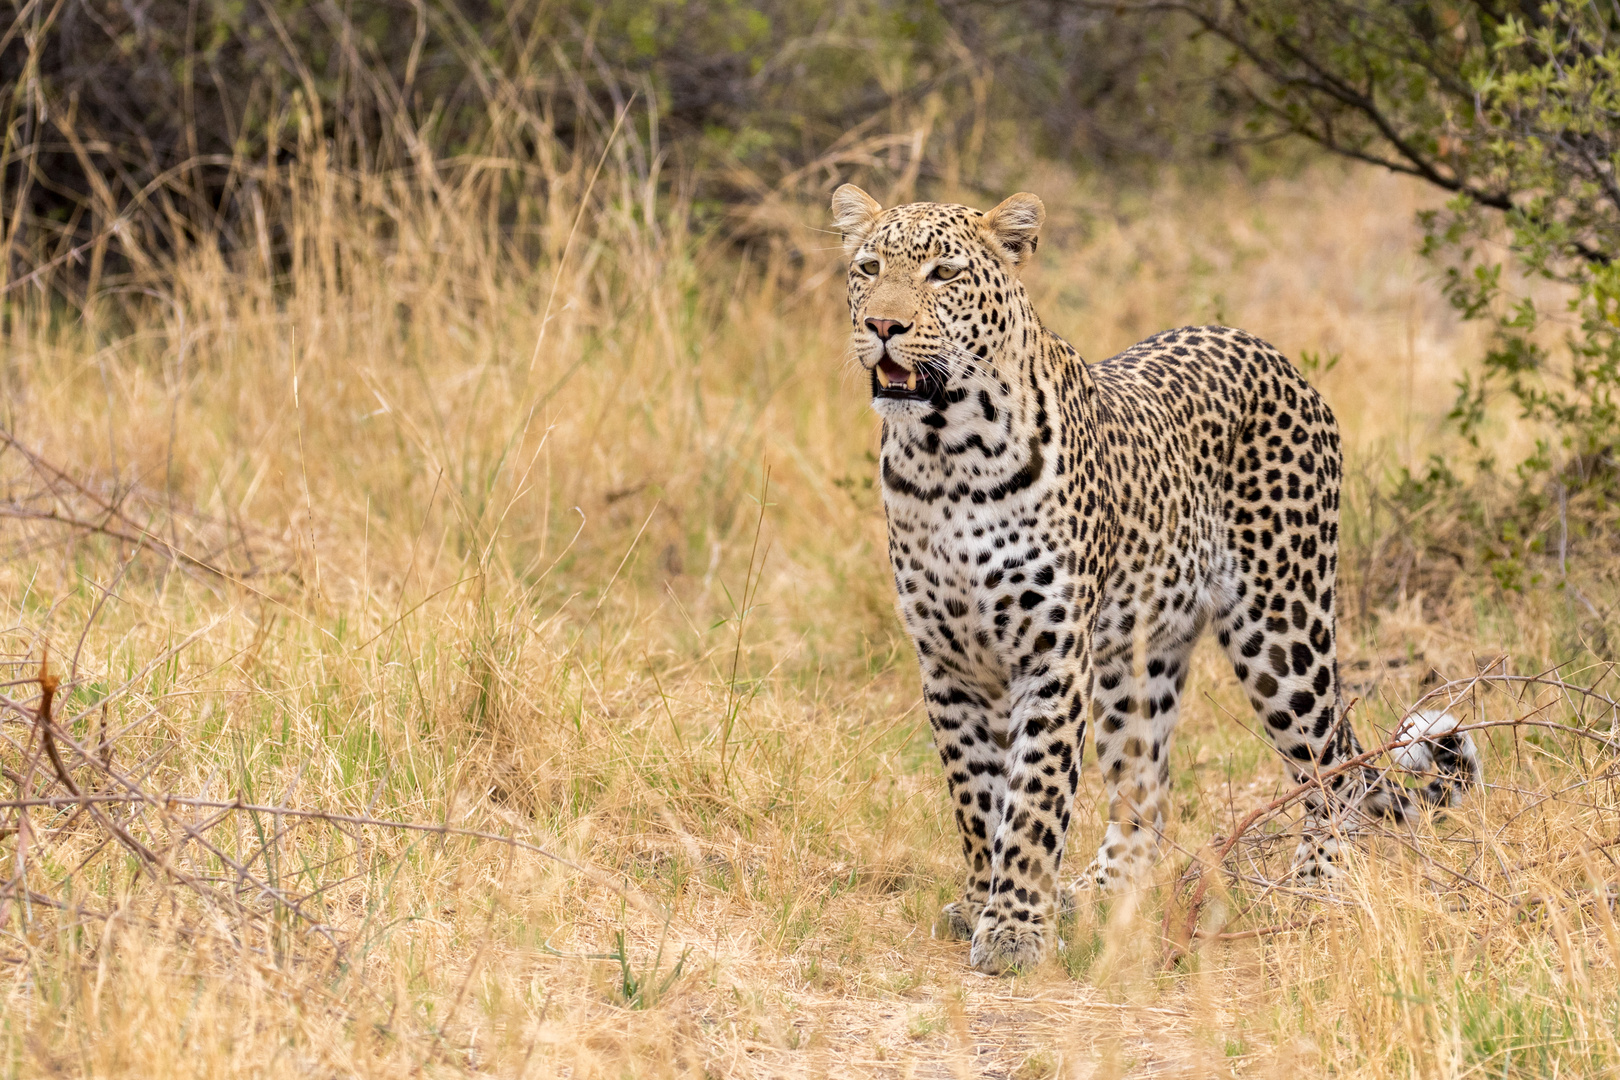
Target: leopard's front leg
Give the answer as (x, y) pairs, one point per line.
(1042, 772)
(961, 713)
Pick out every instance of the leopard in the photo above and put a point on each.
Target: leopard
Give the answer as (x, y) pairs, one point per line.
(1061, 533)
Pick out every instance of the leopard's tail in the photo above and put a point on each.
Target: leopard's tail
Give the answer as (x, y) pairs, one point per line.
(1430, 745)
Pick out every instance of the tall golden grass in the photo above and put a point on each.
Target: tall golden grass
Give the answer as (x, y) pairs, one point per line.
(558, 541)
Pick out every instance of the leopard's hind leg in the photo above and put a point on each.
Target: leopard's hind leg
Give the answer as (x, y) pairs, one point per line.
(1136, 704)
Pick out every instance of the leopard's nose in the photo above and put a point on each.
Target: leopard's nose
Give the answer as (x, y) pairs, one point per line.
(886, 328)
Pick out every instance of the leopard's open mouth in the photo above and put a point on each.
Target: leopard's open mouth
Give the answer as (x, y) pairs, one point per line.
(895, 383)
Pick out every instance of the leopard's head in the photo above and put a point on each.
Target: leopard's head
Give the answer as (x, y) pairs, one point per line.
(934, 294)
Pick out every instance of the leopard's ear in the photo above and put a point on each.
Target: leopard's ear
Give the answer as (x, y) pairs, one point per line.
(1014, 226)
(853, 213)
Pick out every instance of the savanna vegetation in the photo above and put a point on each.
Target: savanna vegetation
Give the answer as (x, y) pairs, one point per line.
(447, 628)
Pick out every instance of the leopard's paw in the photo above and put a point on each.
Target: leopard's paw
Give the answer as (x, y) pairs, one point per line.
(1316, 862)
(1101, 877)
(1091, 880)
(956, 921)
(1007, 948)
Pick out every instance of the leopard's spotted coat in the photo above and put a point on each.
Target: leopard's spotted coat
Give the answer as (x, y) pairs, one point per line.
(1061, 533)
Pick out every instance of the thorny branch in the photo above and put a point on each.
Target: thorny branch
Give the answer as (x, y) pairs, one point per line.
(108, 789)
(59, 500)
(191, 854)
(1183, 935)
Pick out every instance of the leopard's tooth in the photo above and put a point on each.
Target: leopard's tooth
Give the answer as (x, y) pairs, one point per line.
(911, 380)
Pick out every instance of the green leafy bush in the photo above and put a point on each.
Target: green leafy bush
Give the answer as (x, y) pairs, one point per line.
(1514, 108)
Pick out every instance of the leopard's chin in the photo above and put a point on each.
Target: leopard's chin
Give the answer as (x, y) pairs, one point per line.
(892, 382)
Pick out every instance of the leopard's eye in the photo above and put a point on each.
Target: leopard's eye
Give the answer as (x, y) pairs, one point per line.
(869, 267)
(945, 273)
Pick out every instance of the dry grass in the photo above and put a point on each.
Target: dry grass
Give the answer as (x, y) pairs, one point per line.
(583, 551)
